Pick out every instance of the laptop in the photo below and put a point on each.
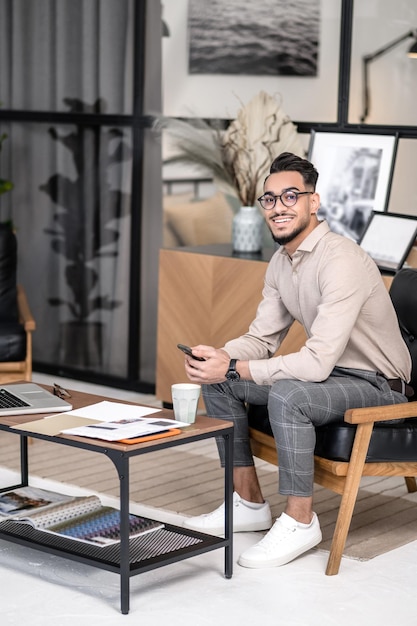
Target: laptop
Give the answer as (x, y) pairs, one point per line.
(388, 239)
(29, 398)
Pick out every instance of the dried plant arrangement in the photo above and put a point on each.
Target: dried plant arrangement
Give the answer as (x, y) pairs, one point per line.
(240, 156)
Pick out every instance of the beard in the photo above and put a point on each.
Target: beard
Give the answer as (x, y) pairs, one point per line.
(303, 224)
(282, 241)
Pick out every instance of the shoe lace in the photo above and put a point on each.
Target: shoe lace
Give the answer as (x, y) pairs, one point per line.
(276, 535)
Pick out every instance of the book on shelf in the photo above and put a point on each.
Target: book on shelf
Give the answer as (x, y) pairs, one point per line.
(81, 518)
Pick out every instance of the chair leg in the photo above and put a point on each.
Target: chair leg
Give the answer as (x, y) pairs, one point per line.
(411, 484)
(350, 492)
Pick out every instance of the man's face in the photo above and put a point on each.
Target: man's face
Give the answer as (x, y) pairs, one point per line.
(289, 226)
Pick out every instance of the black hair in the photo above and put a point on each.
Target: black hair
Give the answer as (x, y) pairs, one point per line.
(289, 162)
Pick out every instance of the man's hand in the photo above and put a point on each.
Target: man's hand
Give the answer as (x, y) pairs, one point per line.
(212, 370)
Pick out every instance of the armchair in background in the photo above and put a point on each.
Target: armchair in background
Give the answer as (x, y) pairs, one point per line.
(195, 214)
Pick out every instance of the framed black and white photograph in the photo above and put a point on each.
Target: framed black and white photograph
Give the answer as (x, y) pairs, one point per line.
(388, 239)
(255, 38)
(355, 174)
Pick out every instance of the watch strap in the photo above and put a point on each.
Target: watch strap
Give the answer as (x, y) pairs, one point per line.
(232, 374)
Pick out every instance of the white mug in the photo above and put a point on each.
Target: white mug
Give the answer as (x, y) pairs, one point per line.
(185, 398)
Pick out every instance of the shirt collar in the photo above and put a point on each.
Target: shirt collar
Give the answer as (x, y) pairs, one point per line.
(311, 240)
(314, 237)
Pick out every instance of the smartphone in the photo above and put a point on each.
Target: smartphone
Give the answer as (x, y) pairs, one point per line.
(187, 350)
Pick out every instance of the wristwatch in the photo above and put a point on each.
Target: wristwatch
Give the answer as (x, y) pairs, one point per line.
(232, 374)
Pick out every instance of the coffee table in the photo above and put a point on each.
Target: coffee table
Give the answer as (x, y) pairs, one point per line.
(137, 555)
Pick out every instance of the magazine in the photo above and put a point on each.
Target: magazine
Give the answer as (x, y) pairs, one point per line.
(25, 499)
(79, 518)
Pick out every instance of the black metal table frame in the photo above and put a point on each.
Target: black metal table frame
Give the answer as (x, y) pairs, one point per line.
(121, 460)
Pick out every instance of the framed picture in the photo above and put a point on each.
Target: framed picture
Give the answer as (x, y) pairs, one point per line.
(388, 239)
(355, 174)
(248, 38)
(220, 95)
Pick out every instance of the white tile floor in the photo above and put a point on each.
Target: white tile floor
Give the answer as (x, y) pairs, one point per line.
(42, 590)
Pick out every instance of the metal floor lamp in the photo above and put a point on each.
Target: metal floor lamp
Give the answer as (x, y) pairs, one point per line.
(367, 59)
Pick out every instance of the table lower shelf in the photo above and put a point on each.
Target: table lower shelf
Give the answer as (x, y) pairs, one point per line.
(149, 551)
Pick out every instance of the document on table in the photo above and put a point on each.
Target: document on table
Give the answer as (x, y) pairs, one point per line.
(115, 421)
(53, 424)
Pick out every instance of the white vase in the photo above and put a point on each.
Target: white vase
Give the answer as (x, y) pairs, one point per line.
(247, 230)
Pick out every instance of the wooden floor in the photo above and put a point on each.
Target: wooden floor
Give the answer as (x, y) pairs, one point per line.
(188, 480)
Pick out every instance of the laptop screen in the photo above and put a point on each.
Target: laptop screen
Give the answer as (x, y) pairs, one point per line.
(388, 239)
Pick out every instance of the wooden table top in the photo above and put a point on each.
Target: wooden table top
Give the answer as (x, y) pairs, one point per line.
(202, 425)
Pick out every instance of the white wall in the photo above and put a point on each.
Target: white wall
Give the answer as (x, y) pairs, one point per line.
(393, 75)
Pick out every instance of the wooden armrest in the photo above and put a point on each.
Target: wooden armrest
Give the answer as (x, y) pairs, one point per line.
(25, 314)
(381, 413)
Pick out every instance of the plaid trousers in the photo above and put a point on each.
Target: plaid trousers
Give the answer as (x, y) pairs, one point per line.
(295, 408)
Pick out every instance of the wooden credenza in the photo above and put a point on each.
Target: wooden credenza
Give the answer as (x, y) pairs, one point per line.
(207, 295)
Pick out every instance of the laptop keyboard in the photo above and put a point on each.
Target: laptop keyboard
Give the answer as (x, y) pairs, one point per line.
(9, 401)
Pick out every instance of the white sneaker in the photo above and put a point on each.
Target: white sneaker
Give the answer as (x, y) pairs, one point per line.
(286, 540)
(245, 518)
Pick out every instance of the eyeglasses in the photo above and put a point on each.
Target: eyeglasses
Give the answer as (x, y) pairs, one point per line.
(60, 392)
(287, 198)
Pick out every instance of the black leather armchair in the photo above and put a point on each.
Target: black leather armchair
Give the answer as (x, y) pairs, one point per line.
(16, 321)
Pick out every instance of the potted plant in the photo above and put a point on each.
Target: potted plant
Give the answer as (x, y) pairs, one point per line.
(82, 247)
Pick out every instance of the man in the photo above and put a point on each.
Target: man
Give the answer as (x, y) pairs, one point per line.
(353, 348)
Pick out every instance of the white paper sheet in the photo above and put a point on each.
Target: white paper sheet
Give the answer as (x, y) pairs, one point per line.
(117, 421)
(106, 411)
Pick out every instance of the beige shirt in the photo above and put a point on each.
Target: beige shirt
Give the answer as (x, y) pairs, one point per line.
(334, 289)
